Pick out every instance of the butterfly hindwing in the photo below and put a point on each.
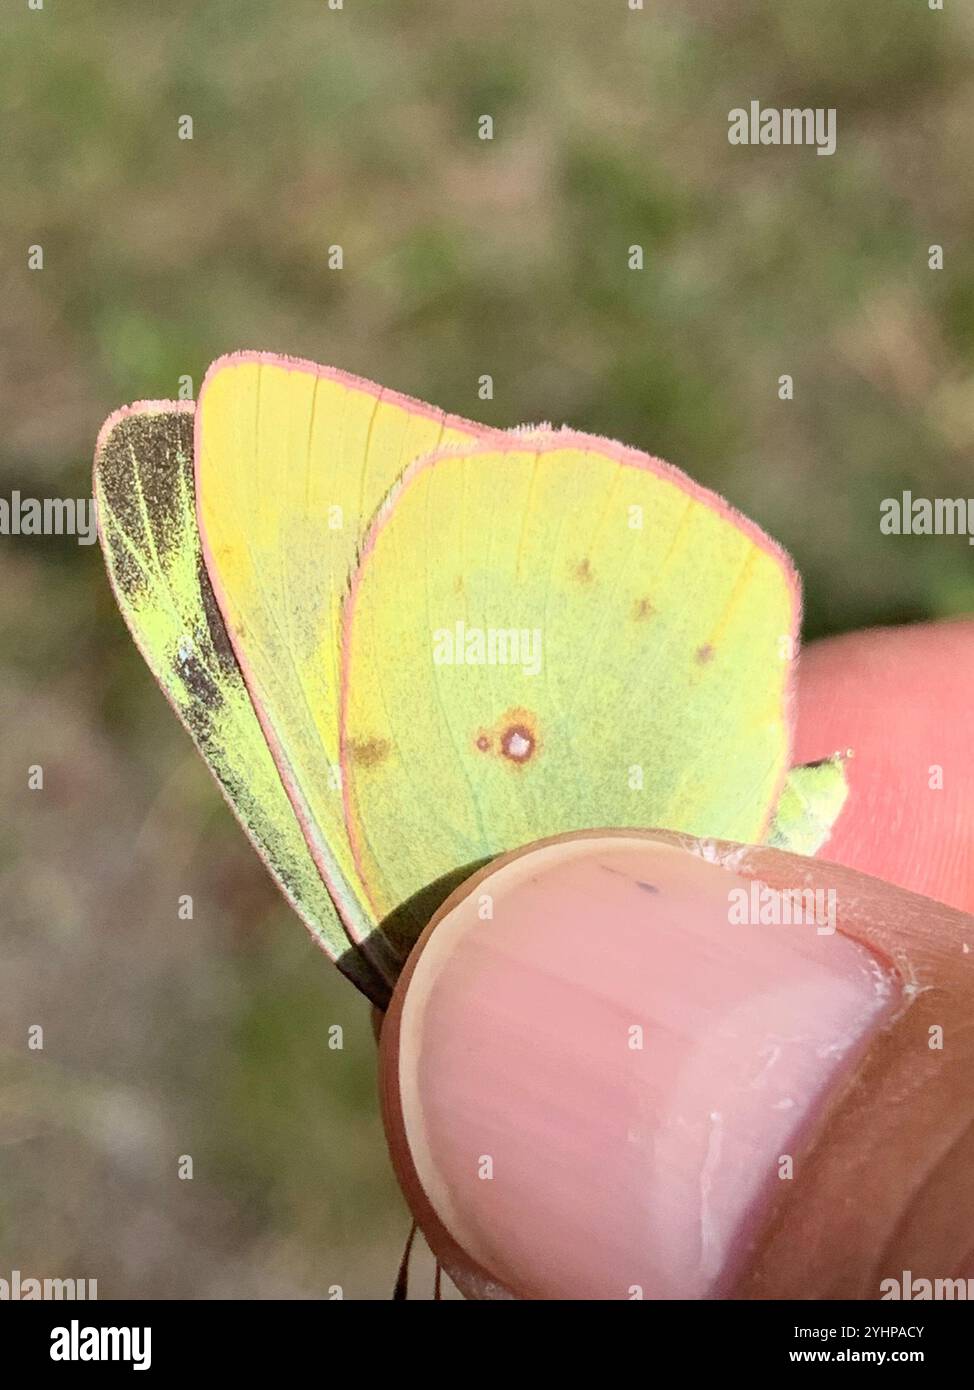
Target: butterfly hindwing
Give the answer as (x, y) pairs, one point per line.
(556, 633)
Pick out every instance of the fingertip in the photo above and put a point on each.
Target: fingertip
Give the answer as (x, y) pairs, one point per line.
(900, 700)
(589, 1091)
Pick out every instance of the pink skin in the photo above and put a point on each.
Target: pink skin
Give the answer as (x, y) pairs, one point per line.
(901, 700)
(507, 1037)
(557, 440)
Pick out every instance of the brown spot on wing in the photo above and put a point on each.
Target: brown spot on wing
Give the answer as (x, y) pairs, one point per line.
(641, 610)
(368, 752)
(583, 571)
(514, 737)
(704, 654)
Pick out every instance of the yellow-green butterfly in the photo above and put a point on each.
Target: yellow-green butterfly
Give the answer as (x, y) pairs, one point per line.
(406, 643)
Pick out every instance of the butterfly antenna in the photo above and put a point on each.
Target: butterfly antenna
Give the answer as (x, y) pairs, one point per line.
(402, 1278)
(437, 1289)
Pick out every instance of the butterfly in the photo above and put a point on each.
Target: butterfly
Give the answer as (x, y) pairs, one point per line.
(406, 643)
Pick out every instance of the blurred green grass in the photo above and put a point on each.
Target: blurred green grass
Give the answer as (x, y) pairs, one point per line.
(461, 257)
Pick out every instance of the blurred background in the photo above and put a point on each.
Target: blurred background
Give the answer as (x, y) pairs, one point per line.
(462, 257)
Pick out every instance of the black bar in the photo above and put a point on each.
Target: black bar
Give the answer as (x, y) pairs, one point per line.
(272, 1336)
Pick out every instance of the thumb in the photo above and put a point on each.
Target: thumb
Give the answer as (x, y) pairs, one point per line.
(600, 1080)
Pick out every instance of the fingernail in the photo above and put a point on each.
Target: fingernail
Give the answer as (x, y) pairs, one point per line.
(602, 1079)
